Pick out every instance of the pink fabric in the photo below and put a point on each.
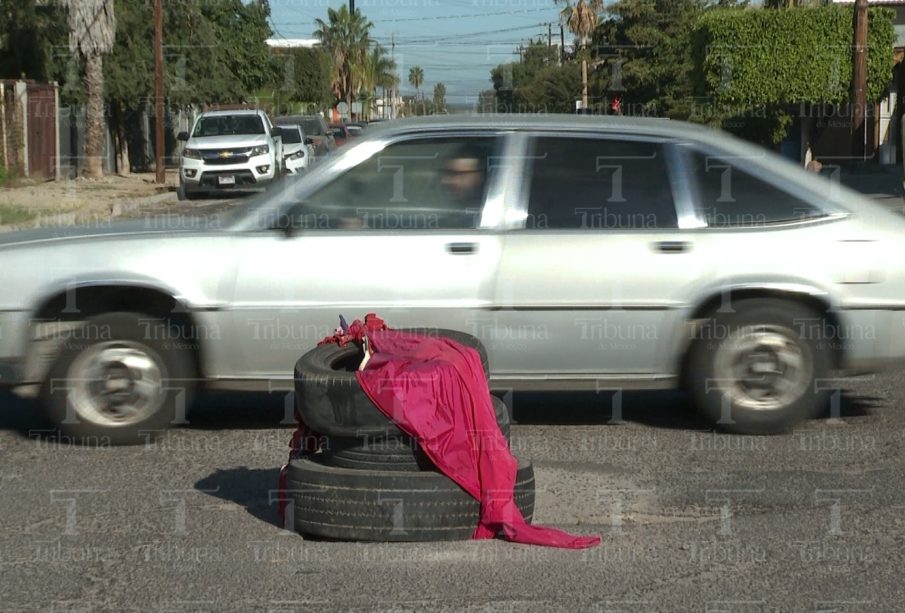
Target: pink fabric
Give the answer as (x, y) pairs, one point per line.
(435, 390)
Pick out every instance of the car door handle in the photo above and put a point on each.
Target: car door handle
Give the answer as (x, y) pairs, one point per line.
(461, 248)
(672, 246)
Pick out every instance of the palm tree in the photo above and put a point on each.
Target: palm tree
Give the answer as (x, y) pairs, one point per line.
(416, 78)
(92, 30)
(379, 71)
(581, 19)
(346, 37)
(439, 98)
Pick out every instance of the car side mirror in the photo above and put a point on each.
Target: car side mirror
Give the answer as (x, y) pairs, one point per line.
(276, 133)
(309, 141)
(182, 136)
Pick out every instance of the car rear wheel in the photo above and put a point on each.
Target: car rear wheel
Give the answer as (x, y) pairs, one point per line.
(371, 505)
(757, 372)
(119, 379)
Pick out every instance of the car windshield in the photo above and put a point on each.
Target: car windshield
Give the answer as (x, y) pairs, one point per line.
(228, 125)
(291, 136)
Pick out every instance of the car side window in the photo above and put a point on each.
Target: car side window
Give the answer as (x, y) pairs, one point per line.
(599, 184)
(421, 184)
(729, 196)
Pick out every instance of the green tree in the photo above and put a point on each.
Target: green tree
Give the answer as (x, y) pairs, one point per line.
(346, 36)
(508, 78)
(304, 76)
(416, 78)
(379, 72)
(32, 39)
(440, 98)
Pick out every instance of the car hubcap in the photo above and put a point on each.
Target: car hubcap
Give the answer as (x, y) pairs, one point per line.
(116, 383)
(763, 367)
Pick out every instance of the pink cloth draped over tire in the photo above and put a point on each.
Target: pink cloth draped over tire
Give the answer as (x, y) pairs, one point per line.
(435, 390)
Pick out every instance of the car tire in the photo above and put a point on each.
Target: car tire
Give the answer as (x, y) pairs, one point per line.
(369, 505)
(757, 372)
(146, 357)
(392, 453)
(330, 399)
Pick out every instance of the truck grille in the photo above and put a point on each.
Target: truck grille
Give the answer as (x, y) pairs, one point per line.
(215, 157)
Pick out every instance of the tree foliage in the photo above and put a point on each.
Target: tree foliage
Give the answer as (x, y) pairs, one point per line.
(303, 75)
(33, 39)
(346, 37)
(789, 56)
(440, 97)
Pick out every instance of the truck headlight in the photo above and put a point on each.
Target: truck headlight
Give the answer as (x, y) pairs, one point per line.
(296, 156)
(194, 154)
(260, 150)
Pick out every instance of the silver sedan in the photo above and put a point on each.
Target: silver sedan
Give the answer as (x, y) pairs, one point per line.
(585, 252)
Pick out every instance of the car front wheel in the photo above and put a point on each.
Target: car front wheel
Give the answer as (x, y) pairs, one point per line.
(119, 379)
(756, 370)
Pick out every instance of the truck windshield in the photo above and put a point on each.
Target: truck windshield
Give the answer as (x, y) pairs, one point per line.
(226, 125)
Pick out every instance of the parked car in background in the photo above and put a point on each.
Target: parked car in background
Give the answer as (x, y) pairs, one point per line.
(585, 252)
(315, 127)
(229, 150)
(340, 133)
(355, 131)
(298, 149)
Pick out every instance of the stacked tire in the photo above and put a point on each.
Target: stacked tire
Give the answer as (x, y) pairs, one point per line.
(370, 481)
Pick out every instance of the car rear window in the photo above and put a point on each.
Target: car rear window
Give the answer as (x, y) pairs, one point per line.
(312, 126)
(730, 196)
(291, 135)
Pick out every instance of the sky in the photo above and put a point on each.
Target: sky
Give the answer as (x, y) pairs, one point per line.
(454, 41)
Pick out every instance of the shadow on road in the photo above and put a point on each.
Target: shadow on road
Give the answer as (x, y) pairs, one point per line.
(254, 489)
(667, 409)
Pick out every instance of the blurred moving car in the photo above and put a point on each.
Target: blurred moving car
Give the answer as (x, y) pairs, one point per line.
(340, 133)
(315, 127)
(298, 149)
(586, 252)
(229, 150)
(355, 131)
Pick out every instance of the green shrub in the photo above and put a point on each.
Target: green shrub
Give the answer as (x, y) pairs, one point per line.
(785, 57)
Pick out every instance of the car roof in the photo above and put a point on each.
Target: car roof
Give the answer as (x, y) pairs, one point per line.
(296, 118)
(235, 112)
(549, 122)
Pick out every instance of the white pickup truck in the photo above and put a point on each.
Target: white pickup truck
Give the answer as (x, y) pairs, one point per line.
(229, 150)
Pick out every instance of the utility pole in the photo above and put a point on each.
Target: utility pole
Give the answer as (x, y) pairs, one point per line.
(159, 118)
(352, 7)
(562, 43)
(859, 82)
(549, 39)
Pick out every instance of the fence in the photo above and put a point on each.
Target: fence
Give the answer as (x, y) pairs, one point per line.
(29, 128)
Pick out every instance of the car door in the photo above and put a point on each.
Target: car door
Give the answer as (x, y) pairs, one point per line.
(393, 235)
(595, 282)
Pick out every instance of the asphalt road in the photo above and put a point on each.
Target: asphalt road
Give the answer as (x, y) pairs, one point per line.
(690, 519)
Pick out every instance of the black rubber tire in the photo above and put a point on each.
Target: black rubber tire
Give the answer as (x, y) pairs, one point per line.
(367, 505)
(330, 400)
(745, 420)
(392, 453)
(172, 354)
